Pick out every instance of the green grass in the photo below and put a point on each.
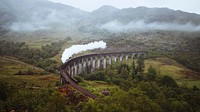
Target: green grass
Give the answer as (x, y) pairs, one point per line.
(34, 81)
(40, 38)
(97, 86)
(10, 66)
(189, 83)
(34, 39)
(166, 66)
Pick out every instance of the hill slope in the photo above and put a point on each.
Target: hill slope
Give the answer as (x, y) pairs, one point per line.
(45, 15)
(180, 73)
(10, 67)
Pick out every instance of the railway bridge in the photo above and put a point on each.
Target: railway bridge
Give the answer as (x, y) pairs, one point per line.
(77, 65)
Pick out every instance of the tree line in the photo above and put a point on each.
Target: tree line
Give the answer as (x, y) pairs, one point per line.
(142, 92)
(137, 91)
(37, 57)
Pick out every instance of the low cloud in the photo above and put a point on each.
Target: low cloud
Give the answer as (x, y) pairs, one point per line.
(116, 26)
(44, 20)
(27, 26)
(33, 17)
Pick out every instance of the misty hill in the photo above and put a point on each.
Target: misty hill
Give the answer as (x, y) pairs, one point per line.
(33, 15)
(111, 18)
(147, 14)
(37, 14)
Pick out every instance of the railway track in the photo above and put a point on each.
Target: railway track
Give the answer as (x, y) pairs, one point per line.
(74, 84)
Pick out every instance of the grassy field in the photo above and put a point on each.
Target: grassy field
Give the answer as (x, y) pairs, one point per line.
(97, 86)
(182, 75)
(34, 39)
(34, 81)
(10, 66)
(37, 39)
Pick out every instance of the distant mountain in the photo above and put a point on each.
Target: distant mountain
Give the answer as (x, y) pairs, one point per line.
(37, 14)
(156, 15)
(105, 10)
(108, 17)
(32, 15)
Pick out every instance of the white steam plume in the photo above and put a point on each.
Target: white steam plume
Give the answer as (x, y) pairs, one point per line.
(80, 48)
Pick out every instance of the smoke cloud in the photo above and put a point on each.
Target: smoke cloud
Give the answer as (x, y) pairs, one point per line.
(116, 26)
(80, 48)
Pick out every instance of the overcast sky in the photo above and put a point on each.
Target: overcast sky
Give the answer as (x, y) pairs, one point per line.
(89, 5)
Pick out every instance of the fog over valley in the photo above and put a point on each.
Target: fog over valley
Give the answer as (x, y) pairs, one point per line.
(99, 55)
(116, 26)
(36, 15)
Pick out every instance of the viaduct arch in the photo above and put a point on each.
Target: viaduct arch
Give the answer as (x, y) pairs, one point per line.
(77, 65)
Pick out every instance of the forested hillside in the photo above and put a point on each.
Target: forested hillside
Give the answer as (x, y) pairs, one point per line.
(35, 33)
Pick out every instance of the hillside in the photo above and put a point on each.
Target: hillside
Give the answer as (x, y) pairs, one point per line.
(140, 18)
(35, 33)
(20, 74)
(175, 70)
(37, 15)
(10, 66)
(45, 15)
(155, 88)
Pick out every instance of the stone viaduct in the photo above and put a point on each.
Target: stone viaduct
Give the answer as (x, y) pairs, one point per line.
(77, 65)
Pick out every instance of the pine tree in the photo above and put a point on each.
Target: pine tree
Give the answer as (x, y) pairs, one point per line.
(134, 70)
(133, 65)
(140, 63)
(151, 73)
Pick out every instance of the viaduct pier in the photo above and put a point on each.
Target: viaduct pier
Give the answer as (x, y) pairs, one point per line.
(77, 65)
